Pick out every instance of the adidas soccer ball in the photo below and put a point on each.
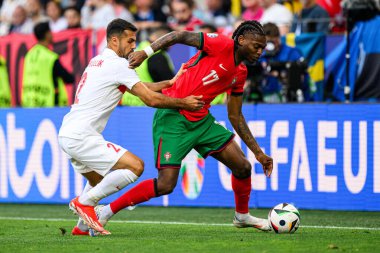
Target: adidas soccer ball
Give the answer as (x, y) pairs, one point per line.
(284, 218)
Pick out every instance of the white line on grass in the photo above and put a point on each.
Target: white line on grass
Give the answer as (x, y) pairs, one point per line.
(177, 223)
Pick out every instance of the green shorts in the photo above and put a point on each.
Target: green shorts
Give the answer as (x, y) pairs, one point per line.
(174, 136)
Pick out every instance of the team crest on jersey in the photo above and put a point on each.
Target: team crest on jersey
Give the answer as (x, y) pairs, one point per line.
(212, 35)
(167, 156)
(233, 81)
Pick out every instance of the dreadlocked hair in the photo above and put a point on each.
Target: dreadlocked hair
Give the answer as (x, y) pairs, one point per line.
(249, 26)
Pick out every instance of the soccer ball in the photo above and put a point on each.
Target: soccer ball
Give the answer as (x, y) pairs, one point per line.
(284, 218)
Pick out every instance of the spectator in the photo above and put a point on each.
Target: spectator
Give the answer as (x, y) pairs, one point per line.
(148, 15)
(294, 6)
(208, 28)
(96, 14)
(228, 31)
(56, 21)
(277, 14)
(121, 10)
(237, 23)
(182, 15)
(20, 22)
(5, 93)
(35, 11)
(6, 12)
(313, 18)
(253, 10)
(275, 86)
(218, 13)
(147, 11)
(44, 75)
(73, 17)
(76, 3)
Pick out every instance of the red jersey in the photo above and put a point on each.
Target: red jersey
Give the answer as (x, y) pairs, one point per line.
(212, 71)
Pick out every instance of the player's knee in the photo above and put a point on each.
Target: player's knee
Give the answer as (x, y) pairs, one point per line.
(245, 170)
(139, 167)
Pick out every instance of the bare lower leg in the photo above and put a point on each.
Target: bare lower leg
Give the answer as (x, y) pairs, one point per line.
(93, 178)
(167, 181)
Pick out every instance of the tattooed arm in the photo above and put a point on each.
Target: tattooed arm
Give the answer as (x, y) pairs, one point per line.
(178, 37)
(239, 123)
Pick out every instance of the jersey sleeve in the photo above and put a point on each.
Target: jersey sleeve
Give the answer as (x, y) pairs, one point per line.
(213, 43)
(238, 87)
(126, 76)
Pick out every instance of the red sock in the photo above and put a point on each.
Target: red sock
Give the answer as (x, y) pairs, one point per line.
(242, 191)
(142, 192)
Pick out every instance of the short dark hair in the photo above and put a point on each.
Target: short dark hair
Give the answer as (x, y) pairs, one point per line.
(40, 30)
(189, 3)
(118, 26)
(271, 30)
(73, 8)
(249, 26)
(210, 27)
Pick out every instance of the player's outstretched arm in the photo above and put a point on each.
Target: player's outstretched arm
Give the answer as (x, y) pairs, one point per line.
(158, 86)
(177, 37)
(239, 123)
(154, 99)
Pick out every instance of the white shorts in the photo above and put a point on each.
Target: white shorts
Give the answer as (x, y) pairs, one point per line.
(93, 153)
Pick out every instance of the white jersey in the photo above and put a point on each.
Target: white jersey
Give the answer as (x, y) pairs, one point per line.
(102, 85)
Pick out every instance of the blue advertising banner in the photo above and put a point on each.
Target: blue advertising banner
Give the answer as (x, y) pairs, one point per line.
(325, 157)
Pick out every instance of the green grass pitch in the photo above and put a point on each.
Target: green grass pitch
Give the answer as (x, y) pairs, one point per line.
(38, 228)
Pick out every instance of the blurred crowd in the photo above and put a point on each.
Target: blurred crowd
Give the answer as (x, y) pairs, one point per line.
(299, 16)
(281, 75)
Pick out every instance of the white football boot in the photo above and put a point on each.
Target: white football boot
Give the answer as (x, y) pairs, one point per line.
(245, 221)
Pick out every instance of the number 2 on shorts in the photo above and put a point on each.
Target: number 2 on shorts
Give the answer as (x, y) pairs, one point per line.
(109, 145)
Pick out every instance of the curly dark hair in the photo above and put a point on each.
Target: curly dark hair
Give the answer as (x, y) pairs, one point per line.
(250, 26)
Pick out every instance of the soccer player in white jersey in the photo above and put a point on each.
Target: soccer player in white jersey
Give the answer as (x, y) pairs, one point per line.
(107, 166)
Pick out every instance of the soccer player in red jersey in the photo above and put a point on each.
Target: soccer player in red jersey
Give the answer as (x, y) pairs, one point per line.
(215, 69)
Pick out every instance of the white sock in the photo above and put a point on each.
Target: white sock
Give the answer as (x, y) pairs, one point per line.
(80, 223)
(241, 216)
(106, 213)
(111, 183)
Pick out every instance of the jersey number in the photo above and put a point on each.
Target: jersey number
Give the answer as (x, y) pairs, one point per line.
(82, 82)
(109, 145)
(210, 78)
